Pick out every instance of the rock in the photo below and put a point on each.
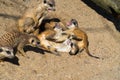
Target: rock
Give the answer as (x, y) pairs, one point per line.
(111, 6)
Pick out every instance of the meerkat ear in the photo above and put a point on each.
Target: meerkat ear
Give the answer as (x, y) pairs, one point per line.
(44, 1)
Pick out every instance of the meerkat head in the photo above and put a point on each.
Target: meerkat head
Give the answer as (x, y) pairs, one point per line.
(74, 49)
(34, 41)
(6, 52)
(50, 4)
(72, 24)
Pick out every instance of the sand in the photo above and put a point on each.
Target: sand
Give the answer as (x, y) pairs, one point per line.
(104, 41)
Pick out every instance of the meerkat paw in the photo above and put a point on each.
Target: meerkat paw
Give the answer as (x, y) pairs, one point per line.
(56, 53)
(23, 54)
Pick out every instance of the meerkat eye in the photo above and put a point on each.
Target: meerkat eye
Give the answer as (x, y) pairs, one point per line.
(24, 30)
(8, 52)
(71, 44)
(51, 5)
(45, 1)
(32, 41)
(1, 50)
(38, 42)
(74, 23)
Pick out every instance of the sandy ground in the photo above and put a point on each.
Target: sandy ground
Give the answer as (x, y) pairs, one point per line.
(104, 41)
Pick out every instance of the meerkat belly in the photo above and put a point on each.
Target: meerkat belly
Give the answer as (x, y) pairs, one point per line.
(65, 46)
(81, 44)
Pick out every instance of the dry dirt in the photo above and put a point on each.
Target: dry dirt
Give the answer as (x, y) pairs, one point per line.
(104, 42)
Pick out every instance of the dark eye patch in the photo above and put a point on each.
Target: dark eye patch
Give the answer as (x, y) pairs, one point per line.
(32, 41)
(51, 5)
(1, 50)
(24, 30)
(38, 42)
(8, 52)
(74, 23)
(71, 44)
(45, 1)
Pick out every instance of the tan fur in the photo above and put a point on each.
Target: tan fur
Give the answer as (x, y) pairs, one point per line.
(54, 47)
(17, 39)
(44, 42)
(57, 15)
(32, 18)
(83, 43)
(80, 38)
(52, 24)
(57, 28)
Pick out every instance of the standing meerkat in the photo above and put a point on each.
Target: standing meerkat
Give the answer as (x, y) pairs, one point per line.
(12, 39)
(79, 37)
(32, 18)
(6, 52)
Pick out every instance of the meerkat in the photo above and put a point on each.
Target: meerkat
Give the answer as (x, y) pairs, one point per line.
(6, 52)
(53, 22)
(56, 33)
(32, 18)
(66, 46)
(12, 39)
(44, 42)
(79, 37)
(56, 48)
(49, 36)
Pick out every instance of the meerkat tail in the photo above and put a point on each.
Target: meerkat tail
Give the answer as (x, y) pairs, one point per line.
(87, 51)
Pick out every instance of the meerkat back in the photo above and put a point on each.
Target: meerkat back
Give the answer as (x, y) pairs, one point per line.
(9, 38)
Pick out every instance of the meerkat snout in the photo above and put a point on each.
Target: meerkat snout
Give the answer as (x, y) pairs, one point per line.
(50, 5)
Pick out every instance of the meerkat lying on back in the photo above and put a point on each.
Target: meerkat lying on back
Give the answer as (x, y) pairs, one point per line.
(44, 42)
(55, 31)
(53, 47)
(12, 39)
(32, 18)
(6, 52)
(79, 37)
(48, 37)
